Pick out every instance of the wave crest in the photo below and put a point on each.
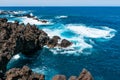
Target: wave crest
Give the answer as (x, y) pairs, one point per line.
(105, 32)
(82, 38)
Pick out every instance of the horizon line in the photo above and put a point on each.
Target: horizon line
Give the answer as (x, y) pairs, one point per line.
(57, 6)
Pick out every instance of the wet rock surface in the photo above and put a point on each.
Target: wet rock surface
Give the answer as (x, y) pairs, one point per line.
(53, 42)
(65, 43)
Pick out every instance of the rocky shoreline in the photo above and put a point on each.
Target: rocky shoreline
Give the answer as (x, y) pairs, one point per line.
(23, 14)
(27, 39)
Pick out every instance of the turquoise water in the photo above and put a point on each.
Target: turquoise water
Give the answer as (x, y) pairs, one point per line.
(94, 32)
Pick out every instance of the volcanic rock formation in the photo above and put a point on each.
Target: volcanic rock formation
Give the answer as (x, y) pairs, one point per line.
(27, 39)
(84, 75)
(23, 74)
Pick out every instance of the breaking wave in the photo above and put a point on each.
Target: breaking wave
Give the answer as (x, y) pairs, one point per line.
(82, 38)
(105, 32)
(32, 21)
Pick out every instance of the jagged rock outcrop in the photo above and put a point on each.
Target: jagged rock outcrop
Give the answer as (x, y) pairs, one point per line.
(27, 39)
(17, 38)
(23, 74)
(84, 75)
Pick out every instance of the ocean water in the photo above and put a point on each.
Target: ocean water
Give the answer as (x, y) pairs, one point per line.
(94, 32)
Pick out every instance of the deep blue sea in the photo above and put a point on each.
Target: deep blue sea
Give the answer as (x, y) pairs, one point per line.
(94, 31)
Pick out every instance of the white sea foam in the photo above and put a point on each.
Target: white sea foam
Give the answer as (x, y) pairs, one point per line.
(16, 57)
(32, 21)
(80, 45)
(19, 12)
(31, 14)
(61, 17)
(45, 70)
(52, 33)
(105, 33)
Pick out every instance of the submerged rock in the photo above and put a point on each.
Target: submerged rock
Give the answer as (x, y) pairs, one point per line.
(44, 21)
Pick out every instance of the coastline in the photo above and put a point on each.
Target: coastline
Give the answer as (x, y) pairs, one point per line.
(94, 33)
(16, 38)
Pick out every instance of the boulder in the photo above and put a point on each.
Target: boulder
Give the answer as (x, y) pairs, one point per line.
(85, 75)
(56, 38)
(53, 42)
(59, 77)
(65, 43)
(73, 78)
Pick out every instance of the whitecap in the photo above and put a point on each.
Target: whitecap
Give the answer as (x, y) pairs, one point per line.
(16, 57)
(105, 33)
(31, 14)
(83, 40)
(32, 21)
(61, 17)
(79, 44)
(78, 47)
(52, 32)
(19, 12)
